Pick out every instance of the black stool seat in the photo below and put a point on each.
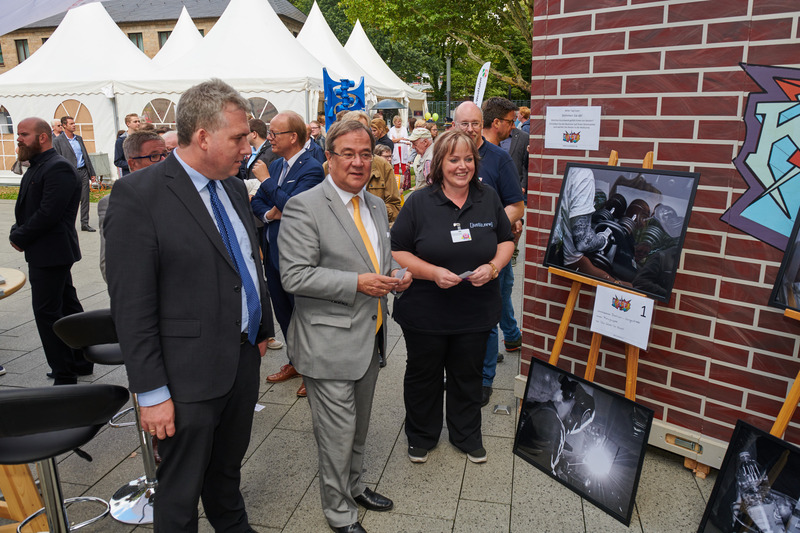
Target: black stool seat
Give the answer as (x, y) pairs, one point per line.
(94, 333)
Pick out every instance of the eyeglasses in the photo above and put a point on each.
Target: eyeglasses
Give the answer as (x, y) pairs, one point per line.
(469, 125)
(506, 120)
(155, 158)
(271, 133)
(350, 156)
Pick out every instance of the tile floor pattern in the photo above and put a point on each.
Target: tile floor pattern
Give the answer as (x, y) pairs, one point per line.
(280, 484)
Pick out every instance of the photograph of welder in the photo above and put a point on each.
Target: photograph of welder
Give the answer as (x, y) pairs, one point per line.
(786, 291)
(589, 439)
(758, 486)
(623, 226)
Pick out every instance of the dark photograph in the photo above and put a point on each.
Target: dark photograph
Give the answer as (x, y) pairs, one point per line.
(623, 226)
(587, 438)
(757, 488)
(786, 291)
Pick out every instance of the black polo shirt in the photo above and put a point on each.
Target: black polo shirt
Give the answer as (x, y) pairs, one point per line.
(496, 169)
(423, 228)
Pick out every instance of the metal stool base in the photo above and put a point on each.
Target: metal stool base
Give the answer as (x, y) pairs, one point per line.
(67, 503)
(133, 503)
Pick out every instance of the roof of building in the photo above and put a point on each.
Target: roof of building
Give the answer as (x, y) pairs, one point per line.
(153, 10)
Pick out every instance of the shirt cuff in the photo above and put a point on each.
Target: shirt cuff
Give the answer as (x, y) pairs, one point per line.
(154, 397)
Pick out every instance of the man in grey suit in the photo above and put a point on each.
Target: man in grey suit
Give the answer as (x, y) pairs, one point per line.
(70, 146)
(335, 258)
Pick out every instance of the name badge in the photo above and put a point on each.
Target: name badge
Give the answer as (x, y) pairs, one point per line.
(460, 235)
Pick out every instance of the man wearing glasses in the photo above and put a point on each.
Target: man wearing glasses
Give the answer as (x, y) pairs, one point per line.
(496, 170)
(294, 172)
(142, 149)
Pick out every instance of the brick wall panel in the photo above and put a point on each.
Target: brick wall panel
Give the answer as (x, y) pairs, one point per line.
(570, 65)
(726, 79)
(708, 348)
(747, 380)
(545, 47)
(775, 54)
(571, 6)
(706, 9)
(658, 37)
(627, 18)
(555, 26)
(773, 319)
(592, 43)
(718, 177)
(710, 429)
(694, 385)
(675, 129)
(669, 396)
(675, 361)
(708, 221)
(769, 7)
(703, 242)
(698, 284)
(595, 84)
(710, 198)
(546, 7)
(725, 414)
(627, 106)
(776, 365)
(750, 248)
(700, 106)
(662, 83)
(721, 129)
(755, 338)
(627, 62)
(706, 57)
(707, 153)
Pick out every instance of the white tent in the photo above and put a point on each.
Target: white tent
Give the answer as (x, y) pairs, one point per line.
(318, 38)
(79, 61)
(182, 40)
(281, 71)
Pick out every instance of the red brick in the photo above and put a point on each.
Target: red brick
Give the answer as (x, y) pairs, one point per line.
(629, 62)
(693, 151)
(742, 270)
(763, 30)
(560, 26)
(611, 381)
(560, 66)
(677, 361)
(544, 48)
(774, 54)
(533, 340)
(699, 425)
(733, 312)
(721, 129)
(593, 85)
(631, 149)
(657, 37)
(544, 8)
(668, 396)
(700, 106)
(728, 32)
(707, 221)
(773, 319)
(711, 390)
(746, 379)
(628, 17)
(731, 80)
(711, 198)
(658, 410)
(593, 43)
(539, 107)
(719, 177)
(707, 348)
(627, 106)
(744, 292)
(792, 432)
(609, 128)
(703, 242)
(665, 129)
(698, 284)
(704, 57)
(730, 416)
(775, 365)
(662, 83)
(768, 7)
(768, 407)
(707, 9)
(571, 6)
(753, 249)
(755, 339)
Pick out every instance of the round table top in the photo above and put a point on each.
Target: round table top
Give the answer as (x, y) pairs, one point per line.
(15, 279)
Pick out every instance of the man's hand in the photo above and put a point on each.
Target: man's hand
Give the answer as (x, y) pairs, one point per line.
(404, 283)
(445, 279)
(273, 214)
(159, 420)
(260, 170)
(376, 285)
(14, 246)
(516, 228)
(262, 347)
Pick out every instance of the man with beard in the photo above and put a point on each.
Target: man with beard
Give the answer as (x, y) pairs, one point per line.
(45, 213)
(71, 146)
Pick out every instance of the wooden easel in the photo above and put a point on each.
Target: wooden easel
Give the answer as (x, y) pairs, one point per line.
(631, 352)
(21, 499)
(790, 404)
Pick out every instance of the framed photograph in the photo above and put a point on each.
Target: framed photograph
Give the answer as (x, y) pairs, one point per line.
(584, 436)
(623, 226)
(758, 486)
(786, 291)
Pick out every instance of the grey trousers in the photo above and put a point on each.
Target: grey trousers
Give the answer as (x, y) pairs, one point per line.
(340, 411)
(83, 172)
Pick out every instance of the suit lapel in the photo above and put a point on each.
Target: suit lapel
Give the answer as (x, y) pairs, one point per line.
(181, 185)
(343, 215)
(242, 209)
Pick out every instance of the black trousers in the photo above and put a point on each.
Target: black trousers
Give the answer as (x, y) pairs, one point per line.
(53, 297)
(83, 172)
(461, 355)
(204, 457)
(282, 301)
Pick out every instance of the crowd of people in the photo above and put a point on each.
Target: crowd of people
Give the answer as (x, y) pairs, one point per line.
(220, 229)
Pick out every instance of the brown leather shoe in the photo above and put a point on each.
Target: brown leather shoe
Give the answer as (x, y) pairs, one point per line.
(301, 392)
(286, 372)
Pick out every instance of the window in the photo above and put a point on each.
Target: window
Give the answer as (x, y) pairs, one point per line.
(1, 56)
(22, 49)
(136, 38)
(202, 32)
(44, 40)
(162, 38)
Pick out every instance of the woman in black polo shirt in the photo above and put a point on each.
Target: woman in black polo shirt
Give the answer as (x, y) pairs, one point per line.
(454, 237)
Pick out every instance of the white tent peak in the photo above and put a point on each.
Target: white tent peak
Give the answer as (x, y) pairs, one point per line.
(360, 48)
(182, 40)
(318, 38)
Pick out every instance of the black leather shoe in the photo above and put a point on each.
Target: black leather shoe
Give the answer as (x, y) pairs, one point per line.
(352, 528)
(373, 501)
(88, 228)
(487, 393)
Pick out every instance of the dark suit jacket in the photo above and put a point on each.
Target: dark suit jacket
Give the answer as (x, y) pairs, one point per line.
(317, 152)
(119, 155)
(518, 150)
(47, 204)
(175, 293)
(320, 140)
(62, 146)
(264, 154)
(305, 173)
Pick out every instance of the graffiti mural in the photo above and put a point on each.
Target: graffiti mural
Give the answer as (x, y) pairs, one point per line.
(769, 160)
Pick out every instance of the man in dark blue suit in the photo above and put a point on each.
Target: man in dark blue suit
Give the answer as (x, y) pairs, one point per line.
(296, 171)
(311, 146)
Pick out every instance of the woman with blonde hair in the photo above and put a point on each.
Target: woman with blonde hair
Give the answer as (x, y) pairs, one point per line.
(399, 136)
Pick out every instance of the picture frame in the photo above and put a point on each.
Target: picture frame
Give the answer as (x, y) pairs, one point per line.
(758, 486)
(621, 225)
(786, 290)
(587, 438)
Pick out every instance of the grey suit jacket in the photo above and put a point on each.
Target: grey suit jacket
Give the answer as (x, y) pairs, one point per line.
(518, 150)
(321, 256)
(62, 146)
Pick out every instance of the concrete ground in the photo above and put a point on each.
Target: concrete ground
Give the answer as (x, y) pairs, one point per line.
(279, 475)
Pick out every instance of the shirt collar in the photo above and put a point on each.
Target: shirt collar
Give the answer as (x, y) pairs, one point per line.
(198, 180)
(295, 157)
(344, 195)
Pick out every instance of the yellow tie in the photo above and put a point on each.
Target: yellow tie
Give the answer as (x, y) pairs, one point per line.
(370, 250)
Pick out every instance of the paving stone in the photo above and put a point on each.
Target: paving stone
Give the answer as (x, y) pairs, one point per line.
(481, 516)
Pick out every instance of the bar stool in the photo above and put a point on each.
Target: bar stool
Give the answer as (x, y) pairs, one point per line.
(95, 334)
(38, 424)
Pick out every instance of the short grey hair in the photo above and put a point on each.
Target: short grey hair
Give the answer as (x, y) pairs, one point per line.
(202, 106)
(132, 145)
